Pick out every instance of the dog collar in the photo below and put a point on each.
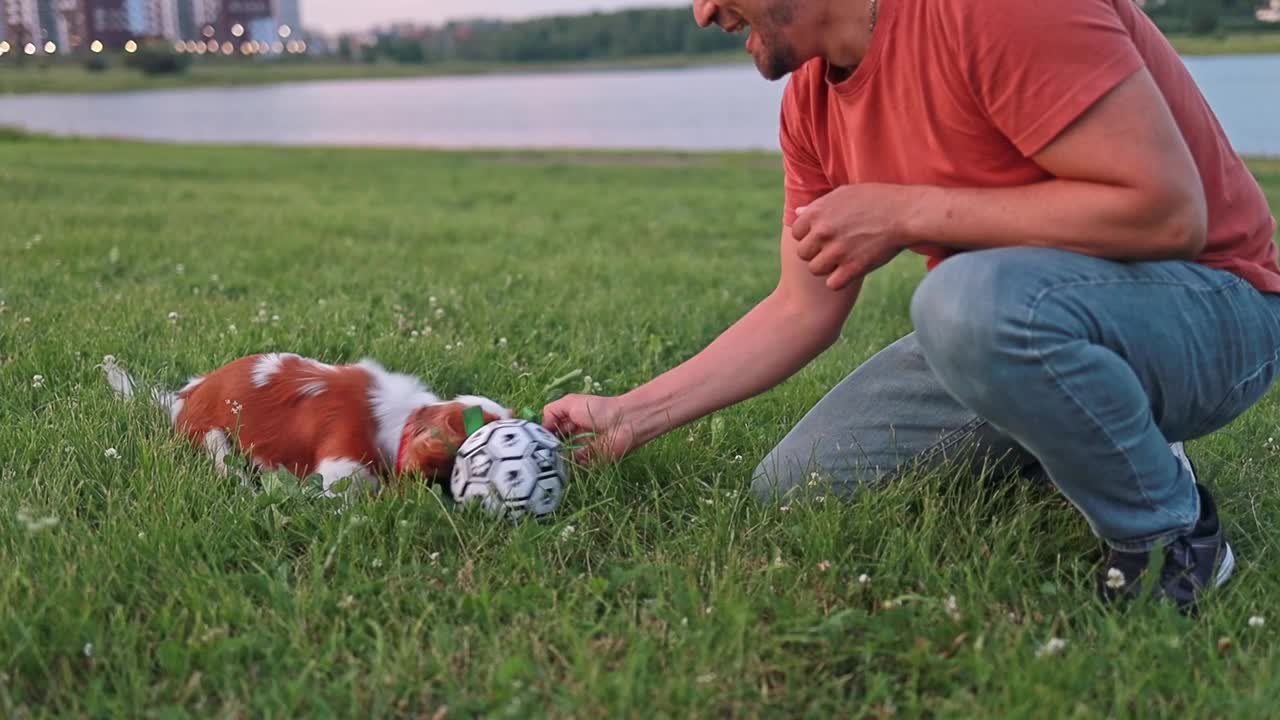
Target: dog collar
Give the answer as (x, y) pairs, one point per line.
(404, 447)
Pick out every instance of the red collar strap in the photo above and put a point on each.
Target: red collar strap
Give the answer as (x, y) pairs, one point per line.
(404, 446)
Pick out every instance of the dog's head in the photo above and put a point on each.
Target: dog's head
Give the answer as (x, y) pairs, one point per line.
(434, 433)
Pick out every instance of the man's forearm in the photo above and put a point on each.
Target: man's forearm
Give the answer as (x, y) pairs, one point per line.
(768, 345)
(1100, 220)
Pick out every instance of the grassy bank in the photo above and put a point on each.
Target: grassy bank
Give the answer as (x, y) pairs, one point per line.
(659, 590)
(60, 77)
(65, 77)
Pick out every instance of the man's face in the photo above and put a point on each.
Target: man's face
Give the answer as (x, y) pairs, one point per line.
(773, 25)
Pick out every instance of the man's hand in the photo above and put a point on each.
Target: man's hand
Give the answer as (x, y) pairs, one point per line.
(602, 417)
(851, 231)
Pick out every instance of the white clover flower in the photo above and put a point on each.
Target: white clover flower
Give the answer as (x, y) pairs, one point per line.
(34, 524)
(502, 341)
(179, 268)
(439, 312)
(820, 499)
(434, 556)
(232, 329)
(432, 300)
(377, 562)
(785, 508)
(952, 607)
(347, 602)
(567, 532)
(1257, 621)
(275, 318)
(173, 316)
(824, 566)
(88, 649)
(864, 579)
(112, 453)
(1055, 646)
(1115, 578)
(37, 381)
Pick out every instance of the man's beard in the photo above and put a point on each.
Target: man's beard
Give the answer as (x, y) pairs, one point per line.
(776, 58)
(779, 57)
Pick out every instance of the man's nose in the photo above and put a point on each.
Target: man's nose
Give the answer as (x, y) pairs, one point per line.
(704, 12)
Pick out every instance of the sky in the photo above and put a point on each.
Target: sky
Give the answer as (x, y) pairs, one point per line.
(337, 15)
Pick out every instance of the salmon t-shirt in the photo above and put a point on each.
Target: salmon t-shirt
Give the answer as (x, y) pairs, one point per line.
(962, 93)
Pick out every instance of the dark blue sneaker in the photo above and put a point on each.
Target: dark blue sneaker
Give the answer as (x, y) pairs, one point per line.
(1192, 563)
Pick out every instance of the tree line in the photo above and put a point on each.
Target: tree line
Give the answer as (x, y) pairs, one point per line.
(671, 31)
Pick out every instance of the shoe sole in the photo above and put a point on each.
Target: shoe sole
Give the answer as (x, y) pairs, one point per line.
(1226, 567)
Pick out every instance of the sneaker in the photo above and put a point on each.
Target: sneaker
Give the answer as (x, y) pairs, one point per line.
(1200, 559)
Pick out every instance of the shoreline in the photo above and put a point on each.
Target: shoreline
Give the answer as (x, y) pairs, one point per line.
(66, 76)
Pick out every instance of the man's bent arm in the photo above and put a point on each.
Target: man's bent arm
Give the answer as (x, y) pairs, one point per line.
(1125, 187)
(782, 334)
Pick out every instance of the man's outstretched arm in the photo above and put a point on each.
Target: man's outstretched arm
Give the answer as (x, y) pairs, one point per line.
(779, 336)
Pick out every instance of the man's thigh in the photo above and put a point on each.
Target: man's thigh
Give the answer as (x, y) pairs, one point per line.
(888, 416)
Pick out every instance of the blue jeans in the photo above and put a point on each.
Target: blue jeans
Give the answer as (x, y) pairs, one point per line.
(1085, 369)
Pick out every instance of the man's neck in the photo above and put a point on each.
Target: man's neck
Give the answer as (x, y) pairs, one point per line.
(850, 23)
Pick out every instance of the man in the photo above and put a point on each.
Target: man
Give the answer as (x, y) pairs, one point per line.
(1102, 279)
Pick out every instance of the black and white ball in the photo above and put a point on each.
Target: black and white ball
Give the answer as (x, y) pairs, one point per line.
(511, 467)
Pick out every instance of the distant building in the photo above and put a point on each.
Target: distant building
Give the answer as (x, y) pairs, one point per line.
(21, 22)
(162, 19)
(196, 15)
(72, 25)
(116, 22)
(237, 15)
(1269, 14)
(288, 14)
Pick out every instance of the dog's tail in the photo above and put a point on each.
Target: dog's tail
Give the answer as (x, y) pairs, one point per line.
(126, 388)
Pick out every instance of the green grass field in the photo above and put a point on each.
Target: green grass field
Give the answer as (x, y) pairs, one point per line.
(147, 586)
(64, 76)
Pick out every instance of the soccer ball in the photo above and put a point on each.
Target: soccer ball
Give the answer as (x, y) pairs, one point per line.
(511, 467)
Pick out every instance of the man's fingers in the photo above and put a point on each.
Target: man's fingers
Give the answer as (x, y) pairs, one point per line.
(825, 261)
(842, 276)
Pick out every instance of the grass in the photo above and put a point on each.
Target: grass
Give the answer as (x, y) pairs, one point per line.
(42, 76)
(660, 589)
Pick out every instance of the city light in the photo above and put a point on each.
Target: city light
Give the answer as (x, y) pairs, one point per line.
(237, 30)
(277, 47)
(131, 47)
(179, 47)
(96, 46)
(4, 47)
(200, 47)
(50, 48)
(228, 48)
(207, 31)
(285, 31)
(29, 48)
(302, 46)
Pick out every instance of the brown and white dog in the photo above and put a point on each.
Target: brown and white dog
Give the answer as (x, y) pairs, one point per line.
(288, 412)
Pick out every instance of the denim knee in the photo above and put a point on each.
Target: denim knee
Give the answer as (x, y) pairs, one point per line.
(956, 312)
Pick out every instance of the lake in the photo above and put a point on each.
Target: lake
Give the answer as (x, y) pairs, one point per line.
(728, 107)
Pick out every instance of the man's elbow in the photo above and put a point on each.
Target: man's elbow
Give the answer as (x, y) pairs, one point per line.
(1188, 229)
(1181, 222)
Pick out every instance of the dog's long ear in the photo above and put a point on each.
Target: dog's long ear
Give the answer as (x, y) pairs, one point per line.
(431, 439)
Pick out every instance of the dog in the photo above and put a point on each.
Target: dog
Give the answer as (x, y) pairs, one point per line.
(355, 422)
